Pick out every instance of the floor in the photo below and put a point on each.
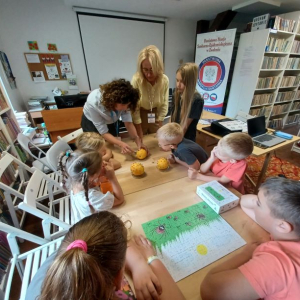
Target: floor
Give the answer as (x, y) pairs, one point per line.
(33, 224)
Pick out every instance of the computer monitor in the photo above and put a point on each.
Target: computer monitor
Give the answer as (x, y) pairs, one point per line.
(70, 101)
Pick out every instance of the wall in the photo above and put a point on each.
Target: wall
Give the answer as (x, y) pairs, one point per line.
(54, 22)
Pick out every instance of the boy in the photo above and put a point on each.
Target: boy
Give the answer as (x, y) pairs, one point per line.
(270, 270)
(184, 151)
(227, 161)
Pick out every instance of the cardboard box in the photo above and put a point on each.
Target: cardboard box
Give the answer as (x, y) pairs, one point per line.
(217, 196)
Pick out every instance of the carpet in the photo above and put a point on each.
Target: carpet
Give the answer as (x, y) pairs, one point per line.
(276, 166)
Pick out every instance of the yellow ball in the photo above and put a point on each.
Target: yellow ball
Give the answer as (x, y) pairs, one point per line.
(137, 169)
(162, 163)
(141, 154)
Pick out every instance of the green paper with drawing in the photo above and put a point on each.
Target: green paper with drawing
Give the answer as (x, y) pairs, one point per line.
(191, 238)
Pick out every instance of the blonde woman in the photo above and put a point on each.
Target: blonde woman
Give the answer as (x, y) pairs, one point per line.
(153, 86)
(187, 102)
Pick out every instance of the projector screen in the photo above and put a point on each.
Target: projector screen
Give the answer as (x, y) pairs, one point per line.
(111, 45)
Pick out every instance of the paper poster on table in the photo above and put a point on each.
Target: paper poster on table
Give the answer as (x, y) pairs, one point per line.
(52, 71)
(213, 56)
(38, 76)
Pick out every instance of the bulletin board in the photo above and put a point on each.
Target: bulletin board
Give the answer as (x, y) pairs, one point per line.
(48, 66)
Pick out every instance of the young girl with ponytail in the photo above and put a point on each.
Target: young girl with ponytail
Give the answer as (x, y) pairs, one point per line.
(81, 173)
(187, 102)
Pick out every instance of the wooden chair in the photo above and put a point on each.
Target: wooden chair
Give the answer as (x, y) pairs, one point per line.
(54, 223)
(29, 262)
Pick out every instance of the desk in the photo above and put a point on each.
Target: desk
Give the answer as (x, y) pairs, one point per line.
(256, 151)
(151, 203)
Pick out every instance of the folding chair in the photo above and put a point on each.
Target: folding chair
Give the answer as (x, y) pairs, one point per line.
(54, 151)
(71, 136)
(21, 177)
(29, 262)
(63, 219)
(40, 162)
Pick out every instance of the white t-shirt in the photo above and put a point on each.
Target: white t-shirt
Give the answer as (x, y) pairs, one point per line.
(98, 200)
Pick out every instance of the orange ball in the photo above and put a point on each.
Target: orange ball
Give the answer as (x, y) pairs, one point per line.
(162, 163)
(141, 154)
(137, 169)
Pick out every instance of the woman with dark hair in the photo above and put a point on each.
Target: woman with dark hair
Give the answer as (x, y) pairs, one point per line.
(104, 107)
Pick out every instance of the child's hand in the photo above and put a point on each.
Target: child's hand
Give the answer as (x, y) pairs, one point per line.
(109, 171)
(171, 159)
(144, 246)
(192, 173)
(213, 153)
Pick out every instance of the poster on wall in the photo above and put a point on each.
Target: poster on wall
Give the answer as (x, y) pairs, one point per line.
(213, 57)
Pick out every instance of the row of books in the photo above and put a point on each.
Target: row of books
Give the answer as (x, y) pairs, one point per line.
(285, 96)
(290, 81)
(293, 63)
(3, 142)
(262, 99)
(279, 23)
(23, 155)
(293, 119)
(297, 95)
(276, 123)
(263, 111)
(280, 109)
(296, 47)
(267, 82)
(8, 176)
(11, 127)
(270, 62)
(5, 254)
(277, 45)
(3, 103)
(295, 106)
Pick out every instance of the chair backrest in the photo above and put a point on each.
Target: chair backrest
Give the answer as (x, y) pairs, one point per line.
(55, 150)
(71, 136)
(25, 141)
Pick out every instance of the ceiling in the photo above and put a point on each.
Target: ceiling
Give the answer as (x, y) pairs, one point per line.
(183, 9)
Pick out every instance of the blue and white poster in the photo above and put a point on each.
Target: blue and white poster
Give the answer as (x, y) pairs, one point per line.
(213, 56)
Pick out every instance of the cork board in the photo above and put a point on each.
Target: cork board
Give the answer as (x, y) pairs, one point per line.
(55, 66)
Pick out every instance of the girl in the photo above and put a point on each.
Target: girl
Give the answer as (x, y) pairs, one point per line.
(153, 86)
(82, 171)
(91, 260)
(92, 141)
(104, 107)
(187, 102)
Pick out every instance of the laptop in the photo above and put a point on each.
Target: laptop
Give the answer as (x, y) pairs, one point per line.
(257, 130)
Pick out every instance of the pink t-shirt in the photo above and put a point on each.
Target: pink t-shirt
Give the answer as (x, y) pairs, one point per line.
(233, 171)
(274, 270)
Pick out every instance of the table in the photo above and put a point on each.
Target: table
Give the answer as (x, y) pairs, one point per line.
(256, 151)
(160, 193)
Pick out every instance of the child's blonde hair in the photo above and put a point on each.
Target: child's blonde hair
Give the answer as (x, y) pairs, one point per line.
(89, 141)
(90, 274)
(76, 167)
(189, 74)
(169, 132)
(237, 145)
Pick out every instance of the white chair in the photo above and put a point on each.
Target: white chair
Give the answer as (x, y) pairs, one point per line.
(40, 162)
(71, 136)
(54, 151)
(21, 174)
(26, 263)
(61, 220)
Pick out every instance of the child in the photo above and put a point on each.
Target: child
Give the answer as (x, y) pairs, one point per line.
(270, 270)
(184, 151)
(91, 260)
(93, 141)
(82, 171)
(187, 102)
(227, 161)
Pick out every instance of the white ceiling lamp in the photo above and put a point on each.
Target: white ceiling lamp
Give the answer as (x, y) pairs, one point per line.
(257, 7)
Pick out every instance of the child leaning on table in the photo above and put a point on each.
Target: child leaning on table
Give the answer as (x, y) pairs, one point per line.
(227, 161)
(93, 141)
(81, 173)
(270, 270)
(184, 151)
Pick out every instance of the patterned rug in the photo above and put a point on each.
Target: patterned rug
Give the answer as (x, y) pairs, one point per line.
(276, 166)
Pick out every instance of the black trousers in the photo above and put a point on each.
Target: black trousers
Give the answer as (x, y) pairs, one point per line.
(88, 126)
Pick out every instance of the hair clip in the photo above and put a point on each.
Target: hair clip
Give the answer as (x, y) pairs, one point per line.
(78, 244)
(68, 153)
(84, 170)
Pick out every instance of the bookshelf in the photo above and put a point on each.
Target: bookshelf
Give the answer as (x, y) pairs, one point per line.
(266, 78)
